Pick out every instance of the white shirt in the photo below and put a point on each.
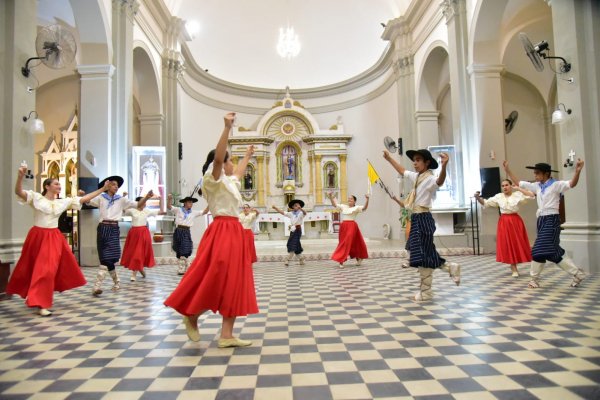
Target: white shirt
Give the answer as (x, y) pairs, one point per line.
(349, 213)
(115, 211)
(296, 218)
(181, 218)
(140, 218)
(548, 201)
(47, 212)
(426, 189)
(247, 221)
(507, 204)
(223, 195)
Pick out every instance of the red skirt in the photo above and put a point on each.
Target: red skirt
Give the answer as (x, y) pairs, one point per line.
(512, 242)
(138, 252)
(351, 243)
(221, 277)
(47, 265)
(252, 249)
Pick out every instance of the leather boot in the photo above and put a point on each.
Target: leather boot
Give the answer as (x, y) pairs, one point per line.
(116, 281)
(102, 272)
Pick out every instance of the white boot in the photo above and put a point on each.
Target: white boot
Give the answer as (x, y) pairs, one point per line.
(453, 269)
(358, 262)
(182, 266)
(301, 259)
(535, 272)
(425, 293)
(286, 262)
(570, 268)
(116, 280)
(102, 272)
(132, 279)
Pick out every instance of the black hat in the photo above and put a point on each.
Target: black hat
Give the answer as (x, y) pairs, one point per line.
(542, 166)
(433, 164)
(116, 178)
(291, 203)
(138, 198)
(188, 198)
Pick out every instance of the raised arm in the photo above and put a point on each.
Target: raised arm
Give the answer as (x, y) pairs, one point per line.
(510, 174)
(241, 167)
(397, 166)
(526, 192)
(303, 212)
(578, 168)
(256, 212)
(19, 185)
(442, 177)
(221, 149)
(366, 203)
(88, 197)
(478, 198)
(205, 211)
(333, 200)
(278, 210)
(143, 200)
(397, 200)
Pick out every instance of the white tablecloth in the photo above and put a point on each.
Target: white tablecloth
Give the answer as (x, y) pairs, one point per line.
(311, 216)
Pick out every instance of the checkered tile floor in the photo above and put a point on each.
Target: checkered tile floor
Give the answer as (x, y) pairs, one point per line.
(323, 333)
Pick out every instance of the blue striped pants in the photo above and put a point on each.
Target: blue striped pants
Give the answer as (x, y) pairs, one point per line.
(547, 244)
(293, 243)
(108, 244)
(182, 243)
(420, 242)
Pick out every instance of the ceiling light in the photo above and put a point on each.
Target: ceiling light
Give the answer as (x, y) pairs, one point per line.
(35, 125)
(288, 45)
(559, 116)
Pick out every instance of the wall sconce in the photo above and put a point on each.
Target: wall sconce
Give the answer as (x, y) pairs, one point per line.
(34, 125)
(559, 116)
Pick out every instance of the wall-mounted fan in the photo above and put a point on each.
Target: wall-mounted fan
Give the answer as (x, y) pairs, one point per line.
(510, 121)
(55, 47)
(538, 51)
(392, 146)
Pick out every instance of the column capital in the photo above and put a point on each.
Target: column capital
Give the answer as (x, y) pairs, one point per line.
(129, 6)
(95, 71)
(427, 115)
(151, 119)
(486, 70)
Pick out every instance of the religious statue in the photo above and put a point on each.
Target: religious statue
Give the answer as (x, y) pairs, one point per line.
(248, 180)
(289, 166)
(73, 179)
(150, 176)
(330, 176)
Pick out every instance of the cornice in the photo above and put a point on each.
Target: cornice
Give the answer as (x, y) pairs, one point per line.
(206, 79)
(266, 140)
(326, 139)
(141, 19)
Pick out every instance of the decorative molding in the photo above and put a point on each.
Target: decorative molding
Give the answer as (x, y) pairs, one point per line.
(324, 139)
(450, 8)
(486, 70)
(95, 71)
(264, 140)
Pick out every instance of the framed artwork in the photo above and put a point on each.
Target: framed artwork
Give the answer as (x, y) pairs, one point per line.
(447, 195)
(149, 165)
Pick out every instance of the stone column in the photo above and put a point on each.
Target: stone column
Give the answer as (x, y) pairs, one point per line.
(18, 19)
(343, 178)
(267, 175)
(427, 128)
(465, 138)
(260, 161)
(319, 179)
(151, 129)
(122, 90)
(577, 39)
(311, 173)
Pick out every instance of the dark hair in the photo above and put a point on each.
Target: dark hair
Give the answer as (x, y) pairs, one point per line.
(47, 182)
(246, 205)
(209, 159)
(507, 180)
(354, 197)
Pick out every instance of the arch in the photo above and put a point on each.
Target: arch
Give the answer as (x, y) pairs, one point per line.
(433, 76)
(92, 18)
(145, 80)
(279, 157)
(484, 38)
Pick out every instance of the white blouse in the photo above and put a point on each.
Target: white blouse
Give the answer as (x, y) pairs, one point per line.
(349, 213)
(47, 212)
(186, 220)
(426, 189)
(223, 195)
(140, 218)
(548, 202)
(506, 204)
(247, 221)
(295, 219)
(115, 211)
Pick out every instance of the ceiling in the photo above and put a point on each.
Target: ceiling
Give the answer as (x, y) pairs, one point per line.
(236, 43)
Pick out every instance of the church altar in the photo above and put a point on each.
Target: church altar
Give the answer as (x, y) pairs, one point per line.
(265, 219)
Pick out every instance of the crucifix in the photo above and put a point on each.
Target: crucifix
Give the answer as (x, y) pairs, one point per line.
(572, 155)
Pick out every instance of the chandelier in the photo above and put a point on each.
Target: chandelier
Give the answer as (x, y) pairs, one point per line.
(288, 45)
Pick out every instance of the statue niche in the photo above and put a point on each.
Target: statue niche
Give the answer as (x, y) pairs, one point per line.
(288, 157)
(330, 174)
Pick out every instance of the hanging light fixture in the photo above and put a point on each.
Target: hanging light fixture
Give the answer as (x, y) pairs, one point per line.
(288, 45)
(559, 116)
(35, 125)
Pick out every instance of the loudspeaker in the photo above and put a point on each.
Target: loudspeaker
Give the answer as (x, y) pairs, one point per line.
(180, 151)
(490, 181)
(88, 185)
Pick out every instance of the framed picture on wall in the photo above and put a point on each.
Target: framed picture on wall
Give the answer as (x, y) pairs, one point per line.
(149, 164)
(447, 195)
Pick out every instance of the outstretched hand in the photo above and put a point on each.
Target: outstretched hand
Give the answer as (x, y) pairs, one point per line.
(579, 165)
(229, 119)
(444, 157)
(387, 155)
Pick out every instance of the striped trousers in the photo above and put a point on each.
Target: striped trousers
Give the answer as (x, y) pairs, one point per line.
(182, 243)
(293, 243)
(420, 242)
(108, 244)
(547, 244)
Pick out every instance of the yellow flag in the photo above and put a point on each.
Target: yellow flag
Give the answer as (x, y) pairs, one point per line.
(373, 177)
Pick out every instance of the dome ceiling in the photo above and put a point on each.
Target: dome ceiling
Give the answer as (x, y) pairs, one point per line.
(237, 38)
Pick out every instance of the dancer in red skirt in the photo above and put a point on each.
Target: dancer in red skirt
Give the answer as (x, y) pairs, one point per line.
(512, 242)
(351, 242)
(247, 219)
(47, 264)
(138, 252)
(220, 278)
